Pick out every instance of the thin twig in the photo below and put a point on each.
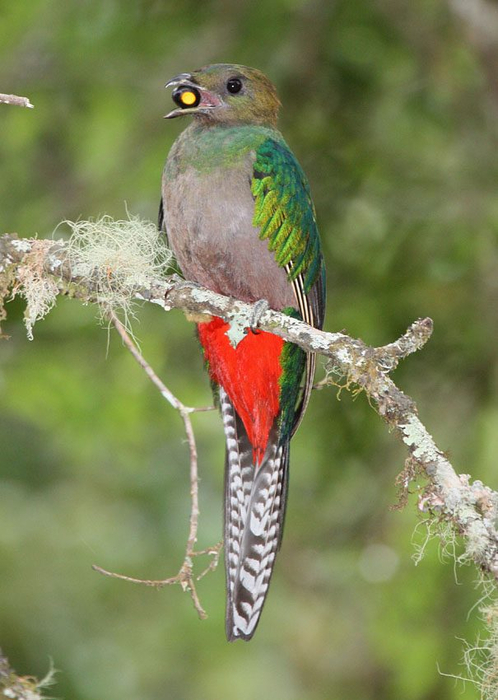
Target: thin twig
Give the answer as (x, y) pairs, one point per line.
(15, 100)
(202, 409)
(185, 576)
(159, 583)
(214, 553)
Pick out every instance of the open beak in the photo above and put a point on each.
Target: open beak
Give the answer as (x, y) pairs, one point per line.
(207, 99)
(179, 79)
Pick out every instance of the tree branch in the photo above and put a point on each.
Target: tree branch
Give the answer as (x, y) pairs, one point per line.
(472, 508)
(22, 687)
(15, 100)
(185, 576)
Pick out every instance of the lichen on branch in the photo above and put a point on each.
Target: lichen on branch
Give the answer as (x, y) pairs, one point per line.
(115, 257)
(103, 260)
(22, 687)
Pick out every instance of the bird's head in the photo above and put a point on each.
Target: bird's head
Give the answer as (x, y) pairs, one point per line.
(225, 94)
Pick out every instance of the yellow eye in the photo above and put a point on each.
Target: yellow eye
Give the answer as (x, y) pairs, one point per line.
(188, 97)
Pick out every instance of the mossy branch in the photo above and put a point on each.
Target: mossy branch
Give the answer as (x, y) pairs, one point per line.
(472, 508)
(15, 100)
(22, 687)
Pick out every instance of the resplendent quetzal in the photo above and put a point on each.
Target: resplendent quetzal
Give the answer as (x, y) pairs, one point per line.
(237, 209)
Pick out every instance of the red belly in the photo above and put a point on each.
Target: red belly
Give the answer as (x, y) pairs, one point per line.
(250, 375)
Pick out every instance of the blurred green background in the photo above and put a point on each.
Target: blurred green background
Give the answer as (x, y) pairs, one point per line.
(391, 107)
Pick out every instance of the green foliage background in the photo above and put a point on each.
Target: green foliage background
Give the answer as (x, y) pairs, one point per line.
(391, 108)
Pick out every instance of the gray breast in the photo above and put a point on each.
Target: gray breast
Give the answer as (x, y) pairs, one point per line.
(208, 217)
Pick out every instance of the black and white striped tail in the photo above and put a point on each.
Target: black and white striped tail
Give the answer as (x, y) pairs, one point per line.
(254, 513)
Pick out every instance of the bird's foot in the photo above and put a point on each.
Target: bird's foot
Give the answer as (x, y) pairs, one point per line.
(260, 307)
(175, 278)
(180, 282)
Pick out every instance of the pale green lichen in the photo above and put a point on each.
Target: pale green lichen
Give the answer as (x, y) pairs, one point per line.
(344, 356)
(113, 257)
(481, 658)
(239, 323)
(419, 441)
(21, 245)
(117, 257)
(23, 687)
(37, 288)
(441, 530)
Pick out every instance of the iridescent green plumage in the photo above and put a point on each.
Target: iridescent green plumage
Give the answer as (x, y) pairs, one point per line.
(284, 211)
(285, 215)
(293, 361)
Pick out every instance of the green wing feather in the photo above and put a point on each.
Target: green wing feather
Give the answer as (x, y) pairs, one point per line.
(284, 212)
(285, 216)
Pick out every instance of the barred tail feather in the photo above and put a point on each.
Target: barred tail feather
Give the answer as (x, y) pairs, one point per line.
(255, 499)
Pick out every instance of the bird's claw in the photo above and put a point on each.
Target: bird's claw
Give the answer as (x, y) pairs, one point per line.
(260, 307)
(180, 283)
(188, 283)
(175, 278)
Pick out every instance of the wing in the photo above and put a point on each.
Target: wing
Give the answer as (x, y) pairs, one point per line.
(285, 215)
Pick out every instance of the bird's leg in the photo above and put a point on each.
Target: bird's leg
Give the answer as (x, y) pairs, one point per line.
(260, 307)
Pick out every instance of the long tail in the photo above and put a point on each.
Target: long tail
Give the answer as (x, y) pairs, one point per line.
(255, 497)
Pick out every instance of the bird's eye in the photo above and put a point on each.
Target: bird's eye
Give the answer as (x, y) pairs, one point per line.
(186, 96)
(234, 85)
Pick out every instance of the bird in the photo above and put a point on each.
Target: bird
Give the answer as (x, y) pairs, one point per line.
(238, 214)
